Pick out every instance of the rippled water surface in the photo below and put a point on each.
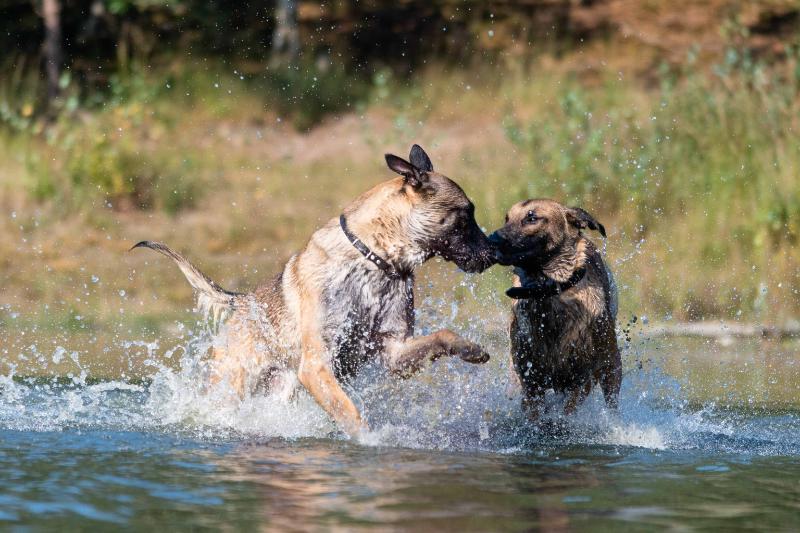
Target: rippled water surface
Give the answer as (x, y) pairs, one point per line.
(150, 479)
(705, 438)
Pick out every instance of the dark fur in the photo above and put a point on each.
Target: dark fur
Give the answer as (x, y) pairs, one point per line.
(564, 341)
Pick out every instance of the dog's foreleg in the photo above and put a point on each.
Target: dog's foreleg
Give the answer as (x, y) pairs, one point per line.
(577, 396)
(320, 382)
(316, 376)
(611, 380)
(609, 372)
(533, 403)
(406, 357)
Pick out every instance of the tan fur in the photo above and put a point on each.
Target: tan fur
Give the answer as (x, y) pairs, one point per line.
(300, 322)
(566, 342)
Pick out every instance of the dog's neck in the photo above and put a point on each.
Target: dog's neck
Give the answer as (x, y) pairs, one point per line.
(371, 256)
(384, 232)
(558, 266)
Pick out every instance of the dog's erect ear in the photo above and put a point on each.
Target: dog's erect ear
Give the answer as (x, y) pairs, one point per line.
(413, 175)
(399, 165)
(420, 159)
(581, 219)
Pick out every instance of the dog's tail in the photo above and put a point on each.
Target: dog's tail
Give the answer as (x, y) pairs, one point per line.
(212, 300)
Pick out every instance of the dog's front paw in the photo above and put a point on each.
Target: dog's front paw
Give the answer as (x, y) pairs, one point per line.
(472, 353)
(455, 345)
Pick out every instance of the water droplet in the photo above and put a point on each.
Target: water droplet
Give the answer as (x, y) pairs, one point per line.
(58, 355)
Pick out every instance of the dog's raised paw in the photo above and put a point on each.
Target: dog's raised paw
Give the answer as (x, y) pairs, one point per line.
(473, 353)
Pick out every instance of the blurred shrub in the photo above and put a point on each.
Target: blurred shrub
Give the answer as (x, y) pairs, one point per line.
(112, 156)
(127, 178)
(307, 93)
(117, 153)
(115, 158)
(702, 167)
(726, 145)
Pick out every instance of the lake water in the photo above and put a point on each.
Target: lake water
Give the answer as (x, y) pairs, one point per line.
(706, 437)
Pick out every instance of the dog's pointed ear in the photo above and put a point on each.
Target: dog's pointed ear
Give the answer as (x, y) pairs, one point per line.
(411, 174)
(581, 219)
(420, 159)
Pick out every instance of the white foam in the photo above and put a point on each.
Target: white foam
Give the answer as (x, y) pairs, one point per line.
(632, 435)
(451, 405)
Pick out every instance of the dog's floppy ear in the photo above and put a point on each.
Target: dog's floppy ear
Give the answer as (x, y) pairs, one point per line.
(412, 175)
(581, 219)
(420, 159)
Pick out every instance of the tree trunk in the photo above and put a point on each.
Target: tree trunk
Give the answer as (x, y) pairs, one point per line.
(51, 12)
(286, 36)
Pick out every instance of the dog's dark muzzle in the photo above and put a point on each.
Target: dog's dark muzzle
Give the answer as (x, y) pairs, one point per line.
(502, 250)
(470, 250)
(473, 259)
(475, 263)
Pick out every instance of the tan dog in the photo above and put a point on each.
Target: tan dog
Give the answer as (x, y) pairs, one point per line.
(563, 327)
(348, 297)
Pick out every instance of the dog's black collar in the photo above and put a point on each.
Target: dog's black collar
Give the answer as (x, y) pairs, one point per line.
(359, 245)
(545, 286)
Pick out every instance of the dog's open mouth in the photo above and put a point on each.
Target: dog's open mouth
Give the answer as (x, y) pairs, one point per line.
(514, 257)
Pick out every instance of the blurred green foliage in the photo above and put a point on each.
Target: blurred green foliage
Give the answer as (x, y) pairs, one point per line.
(306, 94)
(115, 154)
(694, 162)
(731, 141)
(707, 165)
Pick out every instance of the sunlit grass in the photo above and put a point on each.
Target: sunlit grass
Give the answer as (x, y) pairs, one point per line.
(695, 178)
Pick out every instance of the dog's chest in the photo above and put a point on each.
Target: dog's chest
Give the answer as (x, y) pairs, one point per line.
(552, 321)
(363, 308)
(553, 337)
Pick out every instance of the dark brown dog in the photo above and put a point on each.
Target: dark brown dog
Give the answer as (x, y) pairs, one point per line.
(348, 297)
(563, 327)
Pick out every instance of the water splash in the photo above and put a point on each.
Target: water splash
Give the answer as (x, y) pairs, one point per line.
(449, 406)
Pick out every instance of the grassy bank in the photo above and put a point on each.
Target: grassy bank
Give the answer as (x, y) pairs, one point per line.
(694, 174)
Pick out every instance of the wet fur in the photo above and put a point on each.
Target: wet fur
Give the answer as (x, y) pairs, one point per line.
(331, 310)
(565, 342)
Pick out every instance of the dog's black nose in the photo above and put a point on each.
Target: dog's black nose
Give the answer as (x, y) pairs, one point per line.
(498, 243)
(495, 239)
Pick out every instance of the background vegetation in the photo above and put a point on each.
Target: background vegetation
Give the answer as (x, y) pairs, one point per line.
(208, 126)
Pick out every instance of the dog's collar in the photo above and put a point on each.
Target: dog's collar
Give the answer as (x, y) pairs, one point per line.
(544, 286)
(377, 260)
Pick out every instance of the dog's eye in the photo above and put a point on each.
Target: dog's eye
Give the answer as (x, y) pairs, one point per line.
(530, 218)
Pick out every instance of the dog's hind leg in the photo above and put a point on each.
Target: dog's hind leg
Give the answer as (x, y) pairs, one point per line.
(235, 356)
(228, 368)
